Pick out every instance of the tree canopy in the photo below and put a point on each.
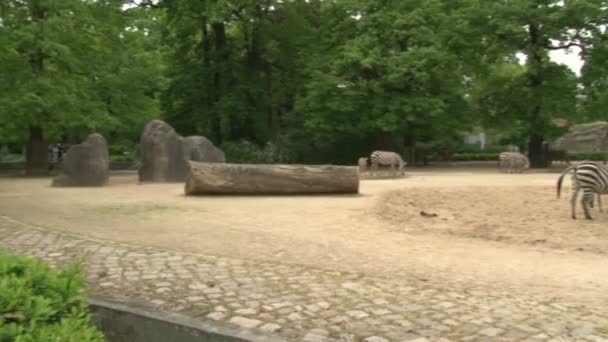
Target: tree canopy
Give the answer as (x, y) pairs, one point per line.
(322, 81)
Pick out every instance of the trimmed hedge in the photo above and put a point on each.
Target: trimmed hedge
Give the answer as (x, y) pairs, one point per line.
(597, 156)
(39, 304)
(123, 158)
(475, 156)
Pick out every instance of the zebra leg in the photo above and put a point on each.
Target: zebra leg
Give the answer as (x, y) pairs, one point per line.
(599, 202)
(502, 166)
(587, 199)
(573, 202)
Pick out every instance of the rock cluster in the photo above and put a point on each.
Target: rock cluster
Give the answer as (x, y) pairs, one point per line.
(165, 154)
(86, 164)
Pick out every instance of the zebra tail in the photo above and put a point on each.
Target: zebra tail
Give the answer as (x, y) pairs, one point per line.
(561, 178)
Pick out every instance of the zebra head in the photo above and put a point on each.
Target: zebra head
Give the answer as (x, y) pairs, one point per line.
(402, 163)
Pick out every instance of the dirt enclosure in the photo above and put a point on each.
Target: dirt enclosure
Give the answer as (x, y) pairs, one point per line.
(477, 227)
(514, 215)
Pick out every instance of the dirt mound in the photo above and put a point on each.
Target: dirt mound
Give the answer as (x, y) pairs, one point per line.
(528, 215)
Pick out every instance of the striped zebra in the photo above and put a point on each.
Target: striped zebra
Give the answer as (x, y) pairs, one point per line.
(591, 178)
(513, 162)
(363, 162)
(385, 158)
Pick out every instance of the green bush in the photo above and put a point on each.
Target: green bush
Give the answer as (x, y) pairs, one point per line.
(475, 157)
(124, 151)
(488, 149)
(123, 158)
(246, 152)
(7, 157)
(39, 304)
(597, 156)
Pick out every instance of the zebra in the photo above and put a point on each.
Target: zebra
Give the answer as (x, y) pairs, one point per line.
(590, 177)
(513, 161)
(363, 163)
(386, 158)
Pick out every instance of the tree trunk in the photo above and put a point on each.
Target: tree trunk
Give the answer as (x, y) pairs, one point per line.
(536, 152)
(215, 178)
(36, 156)
(411, 155)
(537, 155)
(219, 78)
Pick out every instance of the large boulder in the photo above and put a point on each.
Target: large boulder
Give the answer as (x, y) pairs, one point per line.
(86, 164)
(201, 149)
(161, 154)
(165, 154)
(584, 138)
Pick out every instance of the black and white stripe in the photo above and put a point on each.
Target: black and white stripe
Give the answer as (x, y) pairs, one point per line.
(386, 158)
(513, 162)
(589, 177)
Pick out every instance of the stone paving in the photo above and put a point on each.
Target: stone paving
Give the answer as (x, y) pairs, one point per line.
(305, 304)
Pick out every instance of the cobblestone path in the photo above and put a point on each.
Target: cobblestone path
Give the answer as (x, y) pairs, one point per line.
(305, 304)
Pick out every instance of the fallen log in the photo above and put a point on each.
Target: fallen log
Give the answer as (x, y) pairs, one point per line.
(220, 178)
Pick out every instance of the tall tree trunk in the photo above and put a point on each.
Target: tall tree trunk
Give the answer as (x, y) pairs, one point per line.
(273, 125)
(409, 140)
(219, 76)
(536, 152)
(36, 153)
(537, 156)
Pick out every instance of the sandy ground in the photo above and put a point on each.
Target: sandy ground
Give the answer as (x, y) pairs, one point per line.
(491, 229)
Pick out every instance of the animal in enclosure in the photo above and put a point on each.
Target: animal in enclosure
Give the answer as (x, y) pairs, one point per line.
(363, 163)
(589, 177)
(511, 162)
(387, 158)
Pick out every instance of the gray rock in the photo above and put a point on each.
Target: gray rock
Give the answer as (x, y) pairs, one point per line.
(86, 164)
(161, 154)
(165, 154)
(201, 149)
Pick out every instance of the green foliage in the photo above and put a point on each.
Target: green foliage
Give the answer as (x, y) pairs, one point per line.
(486, 156)
(596, 156)
(234, 70)
(123, 158)
(322, 81)
(493, 149)
(247, 152)
(392, 73)
(7, 156)
(530, 96)
(74, 65)
(38, 304)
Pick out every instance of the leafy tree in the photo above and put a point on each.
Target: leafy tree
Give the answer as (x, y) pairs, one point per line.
(393, 75)
(67, 66)
(534, 28)
(595, 78)
(234, 67)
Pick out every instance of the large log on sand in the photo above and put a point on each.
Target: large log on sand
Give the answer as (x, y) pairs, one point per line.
(216, 178)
